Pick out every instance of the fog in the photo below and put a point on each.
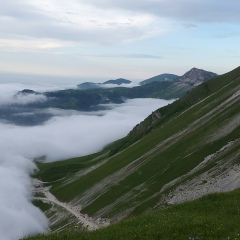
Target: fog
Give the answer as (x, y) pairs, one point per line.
(18, 216)
(112, 85)
(72, 133)
(8, 92)
(68, 134)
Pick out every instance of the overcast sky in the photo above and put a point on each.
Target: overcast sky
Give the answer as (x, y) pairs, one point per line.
(105, 39)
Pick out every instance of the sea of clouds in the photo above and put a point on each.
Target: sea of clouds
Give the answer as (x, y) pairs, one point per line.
(67, 134)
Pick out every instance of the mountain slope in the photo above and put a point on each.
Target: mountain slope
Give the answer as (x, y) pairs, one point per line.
(160, 78)
(180, 152)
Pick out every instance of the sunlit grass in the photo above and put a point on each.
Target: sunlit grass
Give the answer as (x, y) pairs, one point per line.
(215, 216)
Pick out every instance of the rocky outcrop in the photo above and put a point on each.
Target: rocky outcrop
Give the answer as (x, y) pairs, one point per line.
(197, 76)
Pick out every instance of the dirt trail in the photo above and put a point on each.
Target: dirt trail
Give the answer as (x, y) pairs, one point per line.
(87, 221)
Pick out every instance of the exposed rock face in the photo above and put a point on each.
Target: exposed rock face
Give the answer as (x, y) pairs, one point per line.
(144, 126)
(156, 116)
(197, 76)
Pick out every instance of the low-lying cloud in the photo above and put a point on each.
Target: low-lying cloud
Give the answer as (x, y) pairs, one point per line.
(125, 85)
(23, 99)
(72, 133)
(18, 216)
(9, 93)
(68, 134)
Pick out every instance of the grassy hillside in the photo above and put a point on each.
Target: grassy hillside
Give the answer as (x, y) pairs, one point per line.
(166, 113)
(181, 152)
(87, 99)
(215, 216)
(160, 78)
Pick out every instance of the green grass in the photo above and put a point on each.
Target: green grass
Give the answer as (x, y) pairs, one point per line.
(57, 171)
(215, 216)
(43, 206)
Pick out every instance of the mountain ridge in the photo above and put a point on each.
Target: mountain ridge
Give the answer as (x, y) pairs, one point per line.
(118, 81)
(91, 85)
(197, 76)
(191, 145)
(86, 99)
(160, 78)
(193, 76)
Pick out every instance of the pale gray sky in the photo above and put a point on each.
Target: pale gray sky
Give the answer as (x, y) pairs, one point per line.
(104, 39)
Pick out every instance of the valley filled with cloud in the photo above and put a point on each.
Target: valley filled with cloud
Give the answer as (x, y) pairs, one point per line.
(66, 134)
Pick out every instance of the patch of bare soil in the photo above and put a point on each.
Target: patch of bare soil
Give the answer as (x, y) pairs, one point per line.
(92, 224)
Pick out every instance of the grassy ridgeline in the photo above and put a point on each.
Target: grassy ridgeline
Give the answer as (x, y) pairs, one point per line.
(215, 216)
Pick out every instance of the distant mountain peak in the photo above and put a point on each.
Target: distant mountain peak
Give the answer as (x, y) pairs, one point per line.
(91, 85)
(118, 81)
(197, 76)
(27, 91)
(160, 78)
(88, 85)
(195, 69)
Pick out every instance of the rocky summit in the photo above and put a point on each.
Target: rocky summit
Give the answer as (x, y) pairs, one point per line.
(197, 76)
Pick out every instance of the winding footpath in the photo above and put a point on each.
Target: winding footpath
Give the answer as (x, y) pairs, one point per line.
(48, 197)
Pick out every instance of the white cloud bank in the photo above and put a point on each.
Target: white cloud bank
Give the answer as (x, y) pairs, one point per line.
(8, 92)
(67, 135)
(76, 133)
(18, 216)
